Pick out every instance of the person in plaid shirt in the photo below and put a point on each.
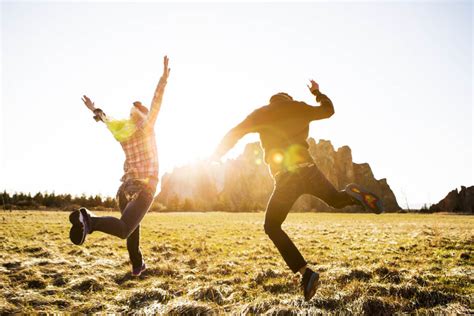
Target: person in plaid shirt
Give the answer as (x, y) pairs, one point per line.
(135, 196)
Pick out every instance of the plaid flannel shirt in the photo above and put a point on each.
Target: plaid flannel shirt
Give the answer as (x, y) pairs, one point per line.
(141, 155)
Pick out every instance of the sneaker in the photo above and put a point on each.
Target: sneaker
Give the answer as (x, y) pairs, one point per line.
(370, 201)
(136, 272)
(309, 282)
(81, 225)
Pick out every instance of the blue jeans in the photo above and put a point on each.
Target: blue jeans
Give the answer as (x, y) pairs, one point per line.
(128, 225)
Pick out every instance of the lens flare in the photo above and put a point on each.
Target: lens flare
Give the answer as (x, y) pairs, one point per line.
(277, 158)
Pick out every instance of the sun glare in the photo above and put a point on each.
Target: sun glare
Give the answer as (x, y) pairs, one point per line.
(277, 158)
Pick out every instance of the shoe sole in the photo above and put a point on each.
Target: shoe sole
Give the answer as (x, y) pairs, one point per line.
(85, 220)
(139, 273)
(357, 192)
(77, 233)
(74, 217)
(314, 287)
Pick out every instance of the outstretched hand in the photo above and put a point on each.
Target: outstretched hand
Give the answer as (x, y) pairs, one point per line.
(166, 69)
(88, 102)
(314, 86)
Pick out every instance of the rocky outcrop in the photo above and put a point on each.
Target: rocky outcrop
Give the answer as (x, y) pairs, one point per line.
(456, 201)
(339, 168)
(194, 187)
(245, 184)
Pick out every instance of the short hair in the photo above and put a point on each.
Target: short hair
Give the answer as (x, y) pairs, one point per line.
(140, 107)
(281, 96)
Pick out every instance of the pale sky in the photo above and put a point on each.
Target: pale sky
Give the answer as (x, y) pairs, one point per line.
(399, 75)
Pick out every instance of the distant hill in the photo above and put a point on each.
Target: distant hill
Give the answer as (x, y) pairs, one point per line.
(245, 184)
(456, 201)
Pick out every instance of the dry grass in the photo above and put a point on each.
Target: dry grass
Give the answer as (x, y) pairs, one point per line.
(217, 263)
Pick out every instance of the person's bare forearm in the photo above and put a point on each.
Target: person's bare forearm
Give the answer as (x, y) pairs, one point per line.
(157, 100)
(158, 95)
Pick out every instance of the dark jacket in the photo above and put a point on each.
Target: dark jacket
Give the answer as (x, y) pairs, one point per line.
(283, 126)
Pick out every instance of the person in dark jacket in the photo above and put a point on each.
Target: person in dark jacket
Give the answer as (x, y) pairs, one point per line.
(283, 126)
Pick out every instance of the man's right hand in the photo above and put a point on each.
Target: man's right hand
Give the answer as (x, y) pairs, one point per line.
(88, 103)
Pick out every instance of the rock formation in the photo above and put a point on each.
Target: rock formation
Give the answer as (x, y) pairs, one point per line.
(195, 185)
(338, 167)
(456, 201)
(245, 184)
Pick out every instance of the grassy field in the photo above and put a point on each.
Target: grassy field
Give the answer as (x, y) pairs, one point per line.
(224, 263)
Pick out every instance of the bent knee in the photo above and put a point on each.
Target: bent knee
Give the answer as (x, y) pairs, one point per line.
(340, 200)
(271, 228)
(124, 233)
(337, 204)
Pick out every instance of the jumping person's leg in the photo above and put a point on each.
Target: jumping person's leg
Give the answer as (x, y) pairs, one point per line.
(133, 241)
(132, 215)
(369, 200)
(318, 185)
(133, 247)
(284, 195)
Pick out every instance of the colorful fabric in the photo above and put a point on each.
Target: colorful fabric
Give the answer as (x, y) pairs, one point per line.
(121, 129)
(141, 155)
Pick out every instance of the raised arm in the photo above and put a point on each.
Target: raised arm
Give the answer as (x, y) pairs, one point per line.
(158, 96)
(326, 108)
(232, 137)
(99, 115)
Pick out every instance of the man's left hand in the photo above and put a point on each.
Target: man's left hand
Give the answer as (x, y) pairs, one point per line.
(314, 86)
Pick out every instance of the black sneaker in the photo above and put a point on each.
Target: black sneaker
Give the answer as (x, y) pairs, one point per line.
(137, 271)
(81, 225)
(309, 282)
(370, 201)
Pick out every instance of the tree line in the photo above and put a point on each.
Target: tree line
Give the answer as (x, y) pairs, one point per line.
(24, 201)
(67, 202)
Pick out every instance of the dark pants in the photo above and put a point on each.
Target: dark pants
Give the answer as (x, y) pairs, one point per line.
(288, 187)
(128, 226)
